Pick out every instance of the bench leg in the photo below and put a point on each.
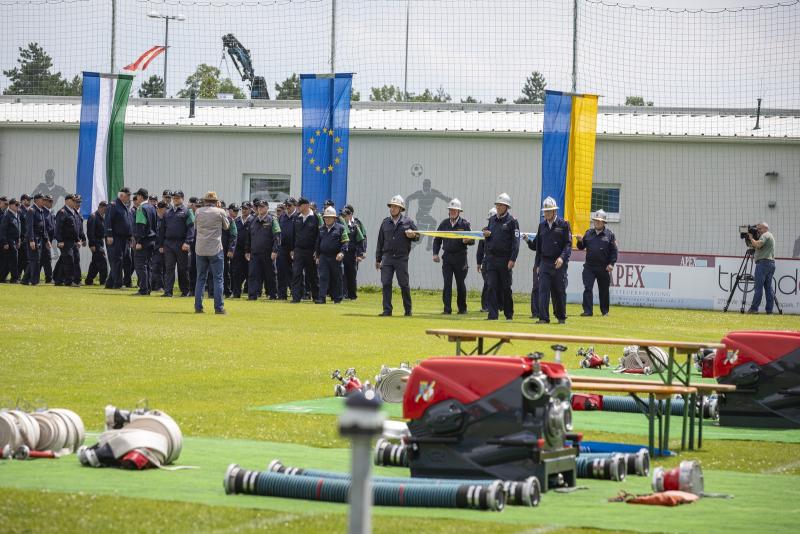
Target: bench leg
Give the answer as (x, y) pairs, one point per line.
(651, 416)
(692, 416)
(700, 424)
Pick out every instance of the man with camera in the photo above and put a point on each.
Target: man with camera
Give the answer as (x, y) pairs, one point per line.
(764, 256)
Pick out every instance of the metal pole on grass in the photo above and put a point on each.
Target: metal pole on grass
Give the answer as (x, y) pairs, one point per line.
(574, 45)
(113, 34)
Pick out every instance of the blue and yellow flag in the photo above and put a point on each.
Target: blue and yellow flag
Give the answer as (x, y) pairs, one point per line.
(326, 136)
(570, 129)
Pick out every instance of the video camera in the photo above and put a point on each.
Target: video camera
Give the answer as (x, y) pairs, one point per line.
(748, 229)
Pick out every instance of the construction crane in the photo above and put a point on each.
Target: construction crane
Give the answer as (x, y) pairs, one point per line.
(244, 65)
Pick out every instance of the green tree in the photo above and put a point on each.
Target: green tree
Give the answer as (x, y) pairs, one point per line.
(429, 96)
(636, 101)
(387, 93)
(206, 83)
(75, 87)
(469, 100)
(153, 87)
(288, 89)
(355, 96)
(533, 90)
(499, 100)
(33, 76)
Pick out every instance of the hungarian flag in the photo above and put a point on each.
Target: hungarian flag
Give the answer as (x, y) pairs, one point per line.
(100, 168)
(145, 59)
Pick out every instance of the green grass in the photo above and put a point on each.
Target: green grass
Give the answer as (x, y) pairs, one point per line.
(84, 348)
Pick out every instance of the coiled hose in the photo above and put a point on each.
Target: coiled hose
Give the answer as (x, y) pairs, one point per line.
(611, 468)
(613, 403)
(636, 463)
(518, 493)
(474, 496)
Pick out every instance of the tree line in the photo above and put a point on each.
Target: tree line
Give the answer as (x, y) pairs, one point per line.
(33, 76)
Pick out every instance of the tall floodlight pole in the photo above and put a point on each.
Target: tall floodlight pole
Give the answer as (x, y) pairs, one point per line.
(167, 18)
(333, 36)
(113, 35)
(574, 46)
(405, 68)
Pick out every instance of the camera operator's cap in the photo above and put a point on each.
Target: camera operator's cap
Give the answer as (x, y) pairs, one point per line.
(600, 215)
(25, 197)
(398, 201)
(549, 204)
(302, 201)
(455, 204)
(504, 199)
(38, 196)
(166, 193)
(210, 196)
(177, 193)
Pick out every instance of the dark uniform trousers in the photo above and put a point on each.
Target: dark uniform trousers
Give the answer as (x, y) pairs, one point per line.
(535, 295)
(76, 271)
(261, 273)
(157, 270)
(192, 269)
(391, 267)
(175, 257)
(46, 262)
(485, 289)
(284, 264)
(304, 263)
(552, 283)
(226, 276)
(590, 274)
(499, 279)
(116, 257)
(98, 266)
(9, 262)
(239, 272)
(128, 266)
(454, 265)
(65, 266)
(350, 287)
(141, 261)
(34, 261)
(330, 278)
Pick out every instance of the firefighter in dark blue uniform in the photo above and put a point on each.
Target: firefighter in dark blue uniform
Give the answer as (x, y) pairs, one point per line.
(175, 237)
(356, 252)
(118, 230)
(553, 249)
(67, 238)
(145, 235)
(47, 251)
(304, 241)
(501, 250)
(10, 240)
(601, 255)
(239, 265)
(332, 245)
(37, 239)
(24, 208)
(395, 236)
(229, 239)
(480, 259)
(82, 236)
(283, 264)
(94, 234)
(157, 261)
(530, 239)
(454, 260)
(261, 246)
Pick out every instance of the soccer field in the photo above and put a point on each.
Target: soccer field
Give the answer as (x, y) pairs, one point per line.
(84, 348)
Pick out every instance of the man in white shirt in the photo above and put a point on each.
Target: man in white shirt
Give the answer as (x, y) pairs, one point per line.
(210, 221)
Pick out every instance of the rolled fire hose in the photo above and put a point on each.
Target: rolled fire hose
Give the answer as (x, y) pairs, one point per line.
(615, 403)
(56, 430)
(395, 429)
(518, 493)
(637, 463)
(479, 497)
(612, 468)
(391, 384)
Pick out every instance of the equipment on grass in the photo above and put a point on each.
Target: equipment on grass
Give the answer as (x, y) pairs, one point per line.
(490, 417)
(522, 493)
(617, 403)
(558, 350)
(688, 476)
(592, 360)
(348, 383)
(476, 496)
(642, 360)
(765, 368)
(244, 66)
(636, 463)
(389, 454)
(116, 418)
(390, 382)
(53, 430)
(151, 439)
(610, 467)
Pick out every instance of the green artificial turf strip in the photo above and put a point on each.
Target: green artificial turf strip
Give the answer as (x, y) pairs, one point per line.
(84, 348)
(204, 486)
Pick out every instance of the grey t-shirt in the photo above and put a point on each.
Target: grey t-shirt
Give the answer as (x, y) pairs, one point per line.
(767, 250)
(209, 223)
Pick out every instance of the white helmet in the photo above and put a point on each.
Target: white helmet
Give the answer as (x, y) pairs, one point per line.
(398, 201)
(549, 204)
(455, 204)
(503, 198)
(330, 211)
(492, 212)
(600, 215)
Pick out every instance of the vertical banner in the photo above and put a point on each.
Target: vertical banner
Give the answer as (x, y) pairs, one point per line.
(570, 128)
(104, 101)
(326, 136)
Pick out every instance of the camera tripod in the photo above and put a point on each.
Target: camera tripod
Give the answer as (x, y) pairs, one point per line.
(745, 275)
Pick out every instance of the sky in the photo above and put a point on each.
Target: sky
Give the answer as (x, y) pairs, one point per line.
(482, 48)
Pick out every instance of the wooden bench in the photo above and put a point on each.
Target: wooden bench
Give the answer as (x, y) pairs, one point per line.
(674, 372)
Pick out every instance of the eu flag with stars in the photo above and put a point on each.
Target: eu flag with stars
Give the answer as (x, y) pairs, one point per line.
(326, 136)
